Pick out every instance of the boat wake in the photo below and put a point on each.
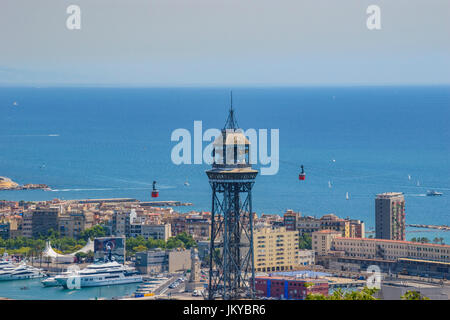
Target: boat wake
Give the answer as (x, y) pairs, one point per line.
(97, 189)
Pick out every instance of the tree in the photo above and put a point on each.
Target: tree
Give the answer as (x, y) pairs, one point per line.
(424, 240)
(96, 231)
(81, 256)
(438, 240)
(316, 297)
(364, 294)
(305, 242)
(413, 295)
(173, 243)
(140, 248)
(187, 240)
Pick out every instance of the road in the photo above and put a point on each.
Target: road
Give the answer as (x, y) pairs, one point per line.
(165, 287)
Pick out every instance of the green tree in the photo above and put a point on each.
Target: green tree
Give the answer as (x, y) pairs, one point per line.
(96, 231)
(305, 241)
(364, 294)
(140, 248)
(187, 240)
(424, 240)
(413, 295)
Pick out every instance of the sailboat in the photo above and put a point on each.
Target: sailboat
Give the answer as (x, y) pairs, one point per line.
(346, 196)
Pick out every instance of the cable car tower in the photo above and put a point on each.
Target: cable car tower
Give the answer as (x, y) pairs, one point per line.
(231, 259)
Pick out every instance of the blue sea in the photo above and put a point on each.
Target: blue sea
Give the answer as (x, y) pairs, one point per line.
(32, 289)
(113, 142)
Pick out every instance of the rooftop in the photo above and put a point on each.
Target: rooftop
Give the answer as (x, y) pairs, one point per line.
(330, 231)
(389, 195)
(393, 241)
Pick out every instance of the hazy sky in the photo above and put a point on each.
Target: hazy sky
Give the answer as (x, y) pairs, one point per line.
(224, 42)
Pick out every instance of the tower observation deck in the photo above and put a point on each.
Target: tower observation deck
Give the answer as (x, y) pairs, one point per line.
(231, 178)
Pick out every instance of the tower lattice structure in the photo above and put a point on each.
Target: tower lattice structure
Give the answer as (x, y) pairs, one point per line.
(231, 177)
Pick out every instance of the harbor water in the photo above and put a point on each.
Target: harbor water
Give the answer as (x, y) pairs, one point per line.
(33, 290)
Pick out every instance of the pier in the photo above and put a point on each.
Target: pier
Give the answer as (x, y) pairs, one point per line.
(430, 226)
(164, 204)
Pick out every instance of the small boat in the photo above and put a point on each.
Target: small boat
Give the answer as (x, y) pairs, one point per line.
(409, 177)
(50, 282)
(329, 184)
(431, 193)
(346, 196)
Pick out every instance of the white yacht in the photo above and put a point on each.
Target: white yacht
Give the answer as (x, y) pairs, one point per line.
(20, 272)
(6, 264)
(52, 282)
(102, 274)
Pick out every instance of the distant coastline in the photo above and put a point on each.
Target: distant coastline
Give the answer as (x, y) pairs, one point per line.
(8, 184)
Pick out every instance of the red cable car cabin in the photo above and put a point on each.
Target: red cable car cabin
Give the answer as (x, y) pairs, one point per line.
(302, 175)
(155, 192)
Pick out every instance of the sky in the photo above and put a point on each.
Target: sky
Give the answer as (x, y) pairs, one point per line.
(224, 42)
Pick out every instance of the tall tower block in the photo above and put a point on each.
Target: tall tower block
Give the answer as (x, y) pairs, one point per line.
(390, 216)
(231, 178)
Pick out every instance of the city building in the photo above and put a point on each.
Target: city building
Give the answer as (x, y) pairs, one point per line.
(275, 249)
(390, 216)
(121, 223)
(322, 241)
(290, 220)
(357, 229)
(4, 230)
(151, 231)
(40, 221)
(73, 223)
(391, 249)
(197, 224)
(391, 256)
(351, 228)
(291, 288)
(306, 257)
(157, 261)
(308, 225)
(332, 222)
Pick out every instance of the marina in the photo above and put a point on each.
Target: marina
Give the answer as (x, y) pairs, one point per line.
(36, 291)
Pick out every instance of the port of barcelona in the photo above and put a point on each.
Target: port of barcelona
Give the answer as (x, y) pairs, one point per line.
(224, 157)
